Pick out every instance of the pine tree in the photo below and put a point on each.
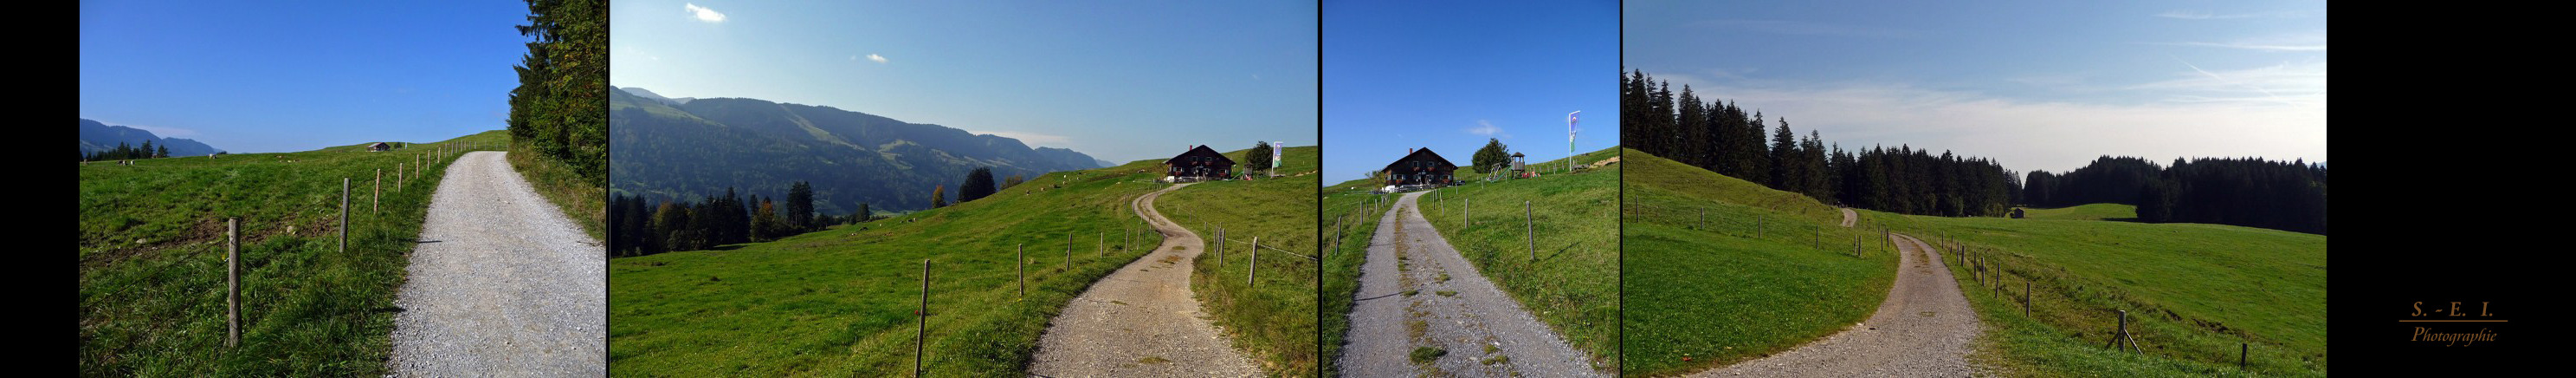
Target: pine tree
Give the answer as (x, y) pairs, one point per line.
(800, 206)
(1784, 152)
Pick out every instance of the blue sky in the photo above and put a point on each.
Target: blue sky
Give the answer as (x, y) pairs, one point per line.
(2036, 85)
(1449, 75)
(281, 78)
(1122, 82)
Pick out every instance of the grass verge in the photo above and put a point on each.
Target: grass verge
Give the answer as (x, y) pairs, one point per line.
(841, 301)
(152, 272)
(1275, 319)
(585, 204)
(1720, 271)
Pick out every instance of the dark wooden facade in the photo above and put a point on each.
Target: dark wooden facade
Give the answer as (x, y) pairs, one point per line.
(1419, 168)
(1200, 163)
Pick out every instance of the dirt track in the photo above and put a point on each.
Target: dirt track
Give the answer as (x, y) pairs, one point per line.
(1483, 331)
(1922, 329)
(1141, 321)
(500, 284)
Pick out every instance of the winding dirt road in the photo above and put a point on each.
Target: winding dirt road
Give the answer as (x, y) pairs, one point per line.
(1922, 329)
(1417, 292)
(501, 283)
(1141, 321)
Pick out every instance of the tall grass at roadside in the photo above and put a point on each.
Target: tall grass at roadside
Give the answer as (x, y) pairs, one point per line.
(586, 204)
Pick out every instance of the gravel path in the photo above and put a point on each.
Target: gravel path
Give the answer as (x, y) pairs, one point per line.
(1141, 321)
(1922, 330)
(1483, 331)
(501, 283)
(1850, 217)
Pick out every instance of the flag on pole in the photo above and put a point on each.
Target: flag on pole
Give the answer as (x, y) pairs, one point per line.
(1569, 139)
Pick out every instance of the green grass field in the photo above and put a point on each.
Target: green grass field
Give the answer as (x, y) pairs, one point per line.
(2193, 293)
(1719, 270)
(839, 302)
(152, 285)
(2098, 211)
(1573, 285)
(1275, 320)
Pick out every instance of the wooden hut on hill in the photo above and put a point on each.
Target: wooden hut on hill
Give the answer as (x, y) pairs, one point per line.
(1199, 163)
(379, 146)
(1420, 167)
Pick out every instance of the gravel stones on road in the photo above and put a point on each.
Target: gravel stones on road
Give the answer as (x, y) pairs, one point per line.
(1141, 321)
(1898, 340)
(1453, 309)
(501, 284)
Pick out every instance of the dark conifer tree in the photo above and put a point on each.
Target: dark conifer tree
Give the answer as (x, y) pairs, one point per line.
(979, 183)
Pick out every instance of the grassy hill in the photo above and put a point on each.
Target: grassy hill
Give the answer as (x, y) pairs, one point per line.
(1573, 286)
(1765, 271)
(152, 268)
(2098, 211)
(1276, 318)
(2192, 291)
(840, 301)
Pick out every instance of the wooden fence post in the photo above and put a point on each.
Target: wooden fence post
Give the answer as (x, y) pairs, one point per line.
(1068, 251)
(1703, 218)
(1464, 214)
(232, 282)
(344, 215)
(2241, 348)
(377, 201)
(921, 334)
(1529, 226)
(1102, 249)
(1220, 248)
(1252, 268)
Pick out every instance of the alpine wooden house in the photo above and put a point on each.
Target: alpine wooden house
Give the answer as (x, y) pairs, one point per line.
(1420, 167)
(1199, 163)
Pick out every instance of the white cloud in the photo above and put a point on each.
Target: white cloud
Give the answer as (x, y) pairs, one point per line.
(2296, 42)
(875, 58)
(2198, 117)
(2199, 15)
(703, 14)
(1487, 129)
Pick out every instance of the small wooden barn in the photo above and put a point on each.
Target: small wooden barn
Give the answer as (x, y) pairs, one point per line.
(379, 146)
(1420, 167)
(1199, 163)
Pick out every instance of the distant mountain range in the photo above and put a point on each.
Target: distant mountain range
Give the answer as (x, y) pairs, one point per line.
(663, 148)
(96, 136)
